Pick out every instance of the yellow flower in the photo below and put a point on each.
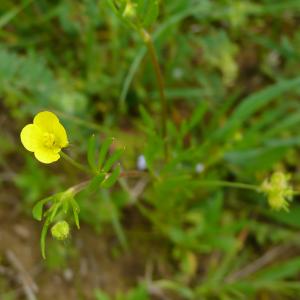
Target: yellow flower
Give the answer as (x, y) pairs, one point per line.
(45, 137)
(278, 191)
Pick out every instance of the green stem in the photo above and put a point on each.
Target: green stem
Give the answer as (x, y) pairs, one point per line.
(128, 174)
(237, 185)
(161, 86)
(76, 164)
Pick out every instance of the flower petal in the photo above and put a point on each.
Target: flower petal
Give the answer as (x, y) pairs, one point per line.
(46, 120)
(61, 138)
(46, 156)
(31, 137)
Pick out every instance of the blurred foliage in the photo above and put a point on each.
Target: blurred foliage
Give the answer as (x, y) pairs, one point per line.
(138, 293)
(231, 69)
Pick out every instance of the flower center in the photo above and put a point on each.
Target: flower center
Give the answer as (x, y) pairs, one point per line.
(48, 140)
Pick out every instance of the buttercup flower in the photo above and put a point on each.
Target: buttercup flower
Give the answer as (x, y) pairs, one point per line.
(45, 137)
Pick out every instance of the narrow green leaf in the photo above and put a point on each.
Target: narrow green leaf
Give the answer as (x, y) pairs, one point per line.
(253, 103)
(112, 6)
(112, 178)
(65, 206)
(53, 210)
(76, 210)
(195, 118)
(103, 151)
(8, 16)
(43, 238)
(148, 11)
(91, 154)
(113, 158)
(117, 225)
(280, 270)
(198, 115)
(291, 121)
(95, 182)
(146, 117)
(289, 219)
(100, 295)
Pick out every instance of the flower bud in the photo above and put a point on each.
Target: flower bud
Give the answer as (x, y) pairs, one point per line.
(60, 230)
(130, 11)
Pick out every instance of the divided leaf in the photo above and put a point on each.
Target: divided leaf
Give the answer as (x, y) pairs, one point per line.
(112, 159)
(112, 178)
(95, 183)
(91, 154)
(103, 151)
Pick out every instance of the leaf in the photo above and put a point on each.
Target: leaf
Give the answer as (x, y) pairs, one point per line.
(112, 6)
(213, 209)
(76, 210)
(195, 118)
(147, 118)
(291, 121)
(43, 237)
(112, 178)
(8, 16)
(289, 219)
(197, 115)
(140, 292)
(100, 295)
(280, 270)
(27, 73)
(103, 151)
(183, 291)
(65, 206)
(253, 103)
(147, 11)
(37, 211)
(119, 10)
(114, 157)
(261, 158)
(53, 210)
(91, 154)
(95, 182)
(115, 219)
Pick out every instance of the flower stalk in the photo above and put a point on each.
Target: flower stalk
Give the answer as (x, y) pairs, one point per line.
(74, 163)
(161, 87)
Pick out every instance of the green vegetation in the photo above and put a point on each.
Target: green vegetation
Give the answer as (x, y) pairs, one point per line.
(181, 175)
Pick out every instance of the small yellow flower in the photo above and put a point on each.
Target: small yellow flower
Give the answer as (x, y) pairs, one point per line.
(278, 191)
(45, 137)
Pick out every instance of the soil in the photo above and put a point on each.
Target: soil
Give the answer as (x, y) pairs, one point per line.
(93, 261)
